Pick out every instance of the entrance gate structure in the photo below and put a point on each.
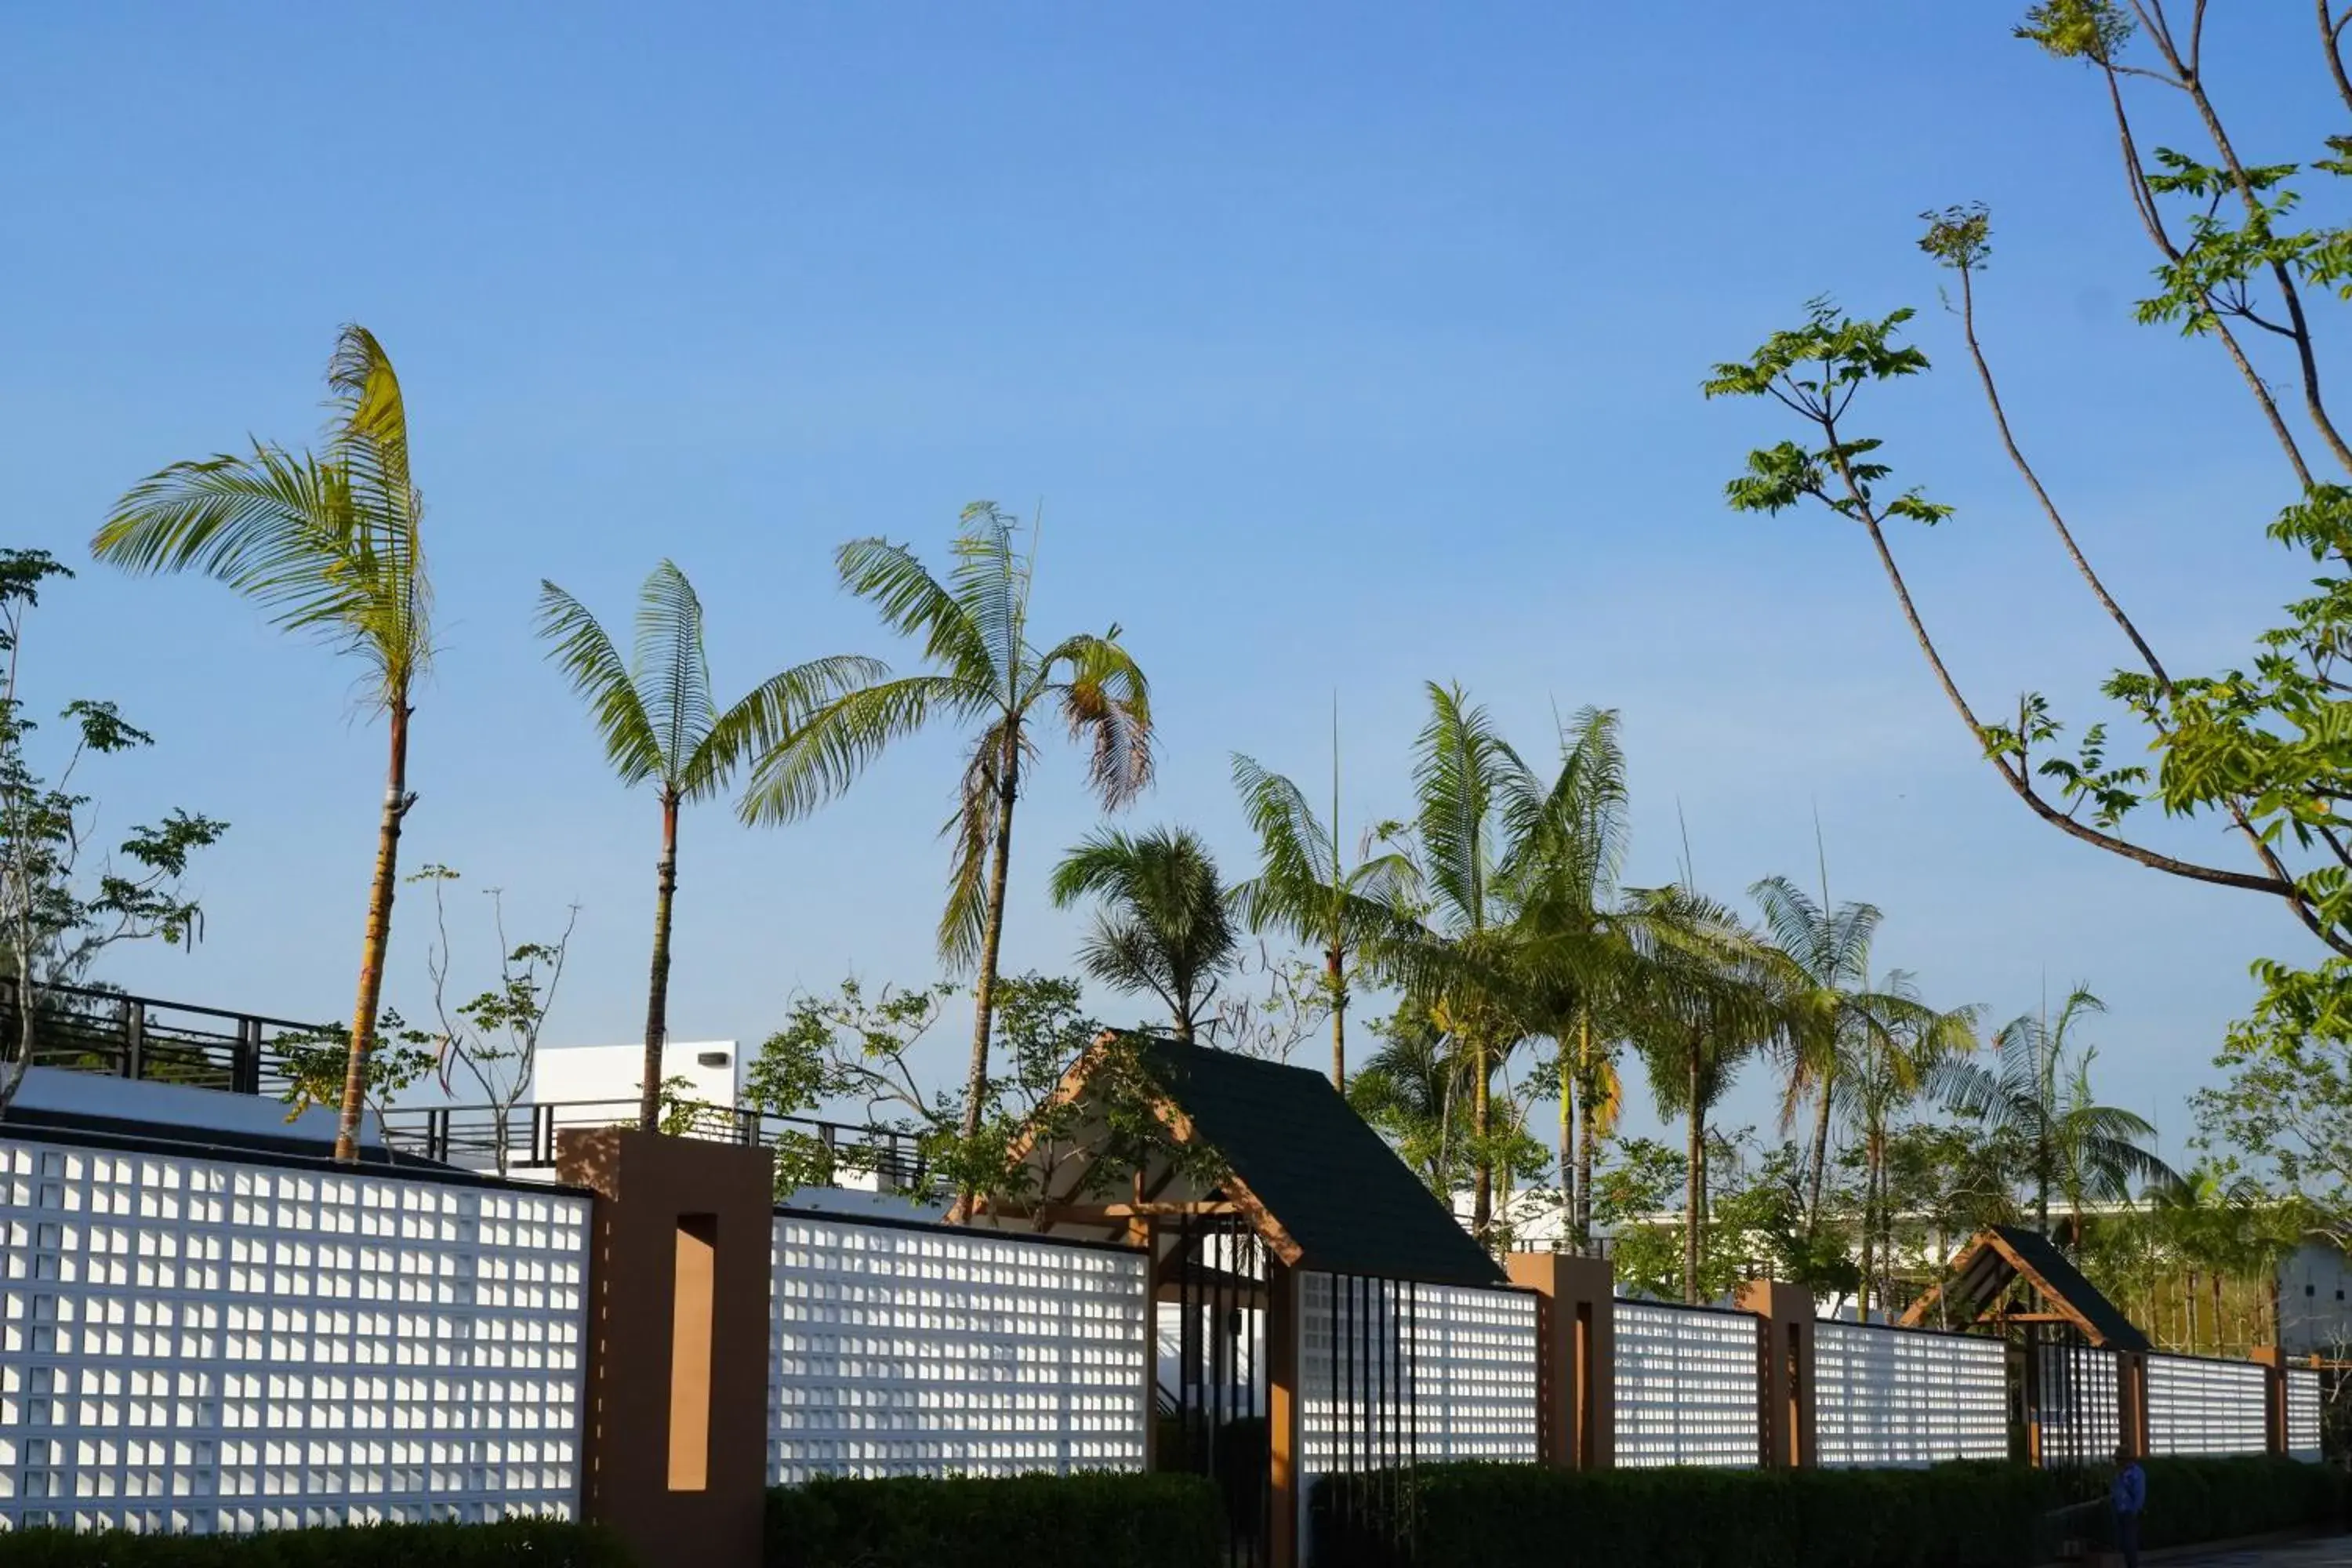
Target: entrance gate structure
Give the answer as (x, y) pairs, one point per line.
(1318, 1311)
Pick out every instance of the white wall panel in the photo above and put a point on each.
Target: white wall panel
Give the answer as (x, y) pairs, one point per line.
(204, 1345)
(2198, 1406)
(1898, 1397)
(2302, 1413)
(900, 1350)
(1688, 1387)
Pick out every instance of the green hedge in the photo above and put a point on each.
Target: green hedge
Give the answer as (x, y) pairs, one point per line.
(1951, 1516)
(511, 1543)
(1086, 1520)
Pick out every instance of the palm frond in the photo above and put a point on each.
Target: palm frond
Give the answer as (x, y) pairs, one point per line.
(990, 582)
(330, 546)
(1461, 766)
(823, 756)
(671, 666)
(582, 650)
(1106, 702)
(766, 716)
(913, 603)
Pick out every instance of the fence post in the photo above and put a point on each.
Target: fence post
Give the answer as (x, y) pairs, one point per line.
(1787, 1314)
(1576, 1347)
(2131, 1402)
(1286, 1496)
(2274, 1364)
(675, 1442)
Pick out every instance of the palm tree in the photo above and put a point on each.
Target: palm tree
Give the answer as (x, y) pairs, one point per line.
(987, 672)
(1412, 1089)
(660, 726)
(1306, 891)
(1836, 1008)
(328, 544)
(1165, 931)
(1458, 959)
(1706, 999)
(2073, 1146)
(1898, 1048)
(1577, 943)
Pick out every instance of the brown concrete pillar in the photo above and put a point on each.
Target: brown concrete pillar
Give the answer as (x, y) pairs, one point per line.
(675, 1443)
(2131, 1403)
(1787, 1312)
(1575, 1333)
(1285, 1483)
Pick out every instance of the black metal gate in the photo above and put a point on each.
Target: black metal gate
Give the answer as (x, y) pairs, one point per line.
(2074, 1412)
(1216, 1413)
(1361, 1423)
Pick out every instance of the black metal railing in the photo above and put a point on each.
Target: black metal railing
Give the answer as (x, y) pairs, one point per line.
(121, 1036)
(822, 1153)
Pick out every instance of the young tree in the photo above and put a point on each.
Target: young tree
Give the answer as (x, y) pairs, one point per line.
(1162, 930)
(56, 916)
(493, 1036)
(329, 545)
(2253, 746)
(659, 726)
(989, 672)
(1305, 890)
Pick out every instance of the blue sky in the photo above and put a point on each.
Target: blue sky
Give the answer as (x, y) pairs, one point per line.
(1347, 347)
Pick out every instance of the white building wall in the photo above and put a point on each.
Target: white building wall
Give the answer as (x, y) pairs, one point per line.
(197, 1344)
(567, 1074)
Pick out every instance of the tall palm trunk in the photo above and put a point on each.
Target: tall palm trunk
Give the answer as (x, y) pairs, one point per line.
(1588, 1130)
(378, 934)
(1694, 1179)
(2190, 1296)
(975, 1083)
(657, 989)
(1821, 1160)
(1568, 1116)
(1333, 967)
(1482, 1184)
(2218, 1331)
(1589, 1133)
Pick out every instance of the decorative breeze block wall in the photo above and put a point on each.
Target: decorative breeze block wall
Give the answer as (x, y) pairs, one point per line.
(1393, 1373)
(1887, 1396)
(2198, 1406)
(1689, 1386)
(906, 1350)
(201, 1345)
(2302, 1413)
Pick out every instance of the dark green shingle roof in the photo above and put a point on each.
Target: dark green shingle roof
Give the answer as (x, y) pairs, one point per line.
(1327, 1179)
(1985, 1275)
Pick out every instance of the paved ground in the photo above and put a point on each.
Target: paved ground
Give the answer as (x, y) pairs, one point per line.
(2333, 1554)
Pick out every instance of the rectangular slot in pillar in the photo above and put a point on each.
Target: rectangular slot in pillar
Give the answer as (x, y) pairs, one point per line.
(690, 1352)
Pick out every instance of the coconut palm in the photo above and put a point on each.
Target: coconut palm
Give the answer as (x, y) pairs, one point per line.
(1706, 997)
(1305, 890)
(328, 544)
(1412, 1089)
(1164, 929)
(1576, 940)
(659, 726)
(987, 672)
(1836, 1008)
(1457, 958)
(2040, 1094)
(1897, 1048)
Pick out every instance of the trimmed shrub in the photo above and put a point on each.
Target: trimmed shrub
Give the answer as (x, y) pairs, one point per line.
(1950, 1516)
(1098, 1519)
(510, 1543)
